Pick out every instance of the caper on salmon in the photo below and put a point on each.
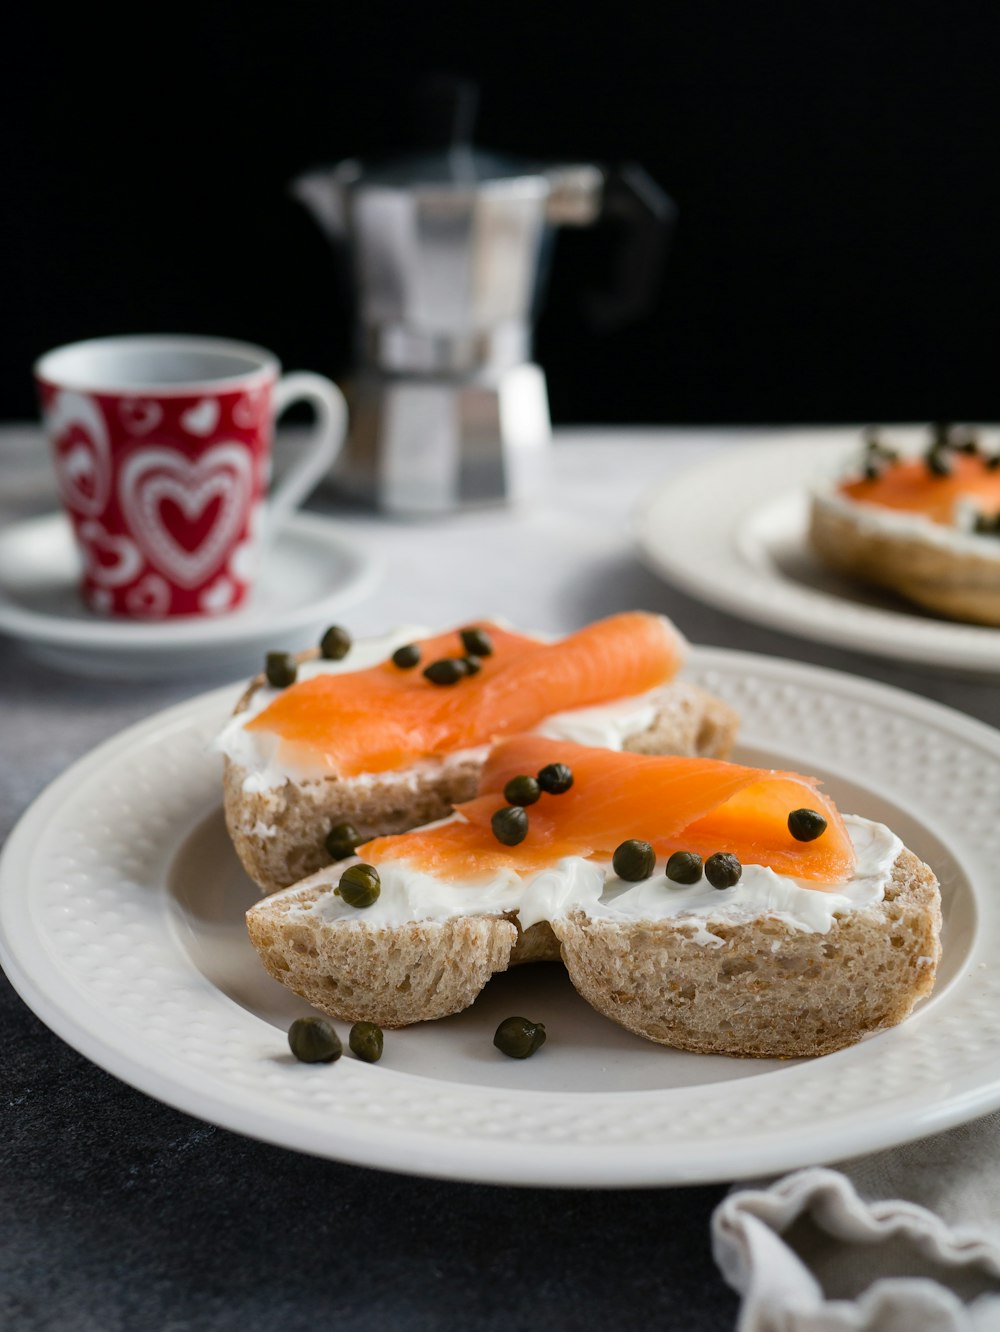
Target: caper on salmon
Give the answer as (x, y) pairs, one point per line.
(280, 669)
(723, 870)
(476, 641)
(366, 1041)
(684, 867)
(447, 671)
(518, 1038)
(510, 825)
(634, 860)
(335, 643)
(314, 1041)
(939, 463)
(359, 886)
(406, 657)
(555, 778)
(523, 790)
(806, 825)
(341, 841)
(473, 665)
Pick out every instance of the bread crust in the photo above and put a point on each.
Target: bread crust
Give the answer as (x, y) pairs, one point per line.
(958, 584)
(767, 990)
(279, 833)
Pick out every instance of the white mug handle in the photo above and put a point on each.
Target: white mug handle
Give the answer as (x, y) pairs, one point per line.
(319, 451)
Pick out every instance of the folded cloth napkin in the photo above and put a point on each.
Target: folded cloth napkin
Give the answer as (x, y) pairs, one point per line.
(906, 1240)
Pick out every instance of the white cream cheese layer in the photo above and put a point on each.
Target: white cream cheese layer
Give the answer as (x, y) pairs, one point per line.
(575, 884)
(875, 519)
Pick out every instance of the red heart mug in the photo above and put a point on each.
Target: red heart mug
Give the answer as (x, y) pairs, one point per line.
(162, 451)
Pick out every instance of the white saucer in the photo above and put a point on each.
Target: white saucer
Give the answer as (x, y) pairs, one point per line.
(732, 532)
(309, 572)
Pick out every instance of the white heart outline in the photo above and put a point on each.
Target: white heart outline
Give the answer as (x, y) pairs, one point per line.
(139, 415)
(66, 409)
(152, 475)
(150, 598)
(247, 409)
(202, 418)
(128, 560)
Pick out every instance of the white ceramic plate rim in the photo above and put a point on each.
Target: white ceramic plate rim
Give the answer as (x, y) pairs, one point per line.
(697, 547)
(969, 1011)
(244, 627)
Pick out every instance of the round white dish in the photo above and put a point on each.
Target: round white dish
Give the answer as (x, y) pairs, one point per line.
(310, 571)
(121, 905)
(732, 532)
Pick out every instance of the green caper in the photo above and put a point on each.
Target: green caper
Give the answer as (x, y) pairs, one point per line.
(555, 778)
(723, 870)
(335, 643)
(314, 1041)
(365, 1041)
(510, 825)
(341, 841)
(447, 671)
(521, 790)
(940, 435)
(634, 860)
(406, 657)
(806, 825)
(993, 462)
(939, 463)
(518, 1038)
(476, 641)
(872, 471)
(280, 669)
(969, 444)
(359, 886)
(473, 665)
(684, 867)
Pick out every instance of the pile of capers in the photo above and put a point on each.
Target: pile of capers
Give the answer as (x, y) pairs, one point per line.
(314, 1040)
(510, 823)
(475, 645)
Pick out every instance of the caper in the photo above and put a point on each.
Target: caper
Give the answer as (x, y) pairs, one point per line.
(280, 670)
(723, 870)
(521, 790)
(510, 825)
(314, 1041)
(519, 1038)
(555, 778)
(406, 657)
(806, 825)
(634, 860)
(968, 444)
(341, 841)
(993, 462)
(684, 867)
(335, 643)
(473, 665)
(365, 1041)
(359, 886)
(872, 471)
(940, 435)
(447, 671)
(938, 463)
(477, 641)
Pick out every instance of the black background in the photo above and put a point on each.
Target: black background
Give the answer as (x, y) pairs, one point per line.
(835, 166)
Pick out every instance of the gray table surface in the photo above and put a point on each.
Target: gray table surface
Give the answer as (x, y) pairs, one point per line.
(120, 1213)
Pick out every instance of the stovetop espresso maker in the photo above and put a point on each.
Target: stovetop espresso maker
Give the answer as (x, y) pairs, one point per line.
(448, 251)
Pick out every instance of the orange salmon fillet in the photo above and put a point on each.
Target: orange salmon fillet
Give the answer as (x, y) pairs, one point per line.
(910, 486)
(384, 718)
(701, 805)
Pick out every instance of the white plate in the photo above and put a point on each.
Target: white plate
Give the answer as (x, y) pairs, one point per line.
(310, 571)
(121, 907)
(732, 532)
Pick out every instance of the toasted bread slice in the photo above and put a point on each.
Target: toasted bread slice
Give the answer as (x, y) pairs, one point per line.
(765, 989)
(279, 833)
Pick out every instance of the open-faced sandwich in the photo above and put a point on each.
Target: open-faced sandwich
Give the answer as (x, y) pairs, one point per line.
(927, 527)
(320, 757)
(702, 904)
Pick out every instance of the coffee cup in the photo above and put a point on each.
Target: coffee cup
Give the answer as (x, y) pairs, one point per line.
(162, 447)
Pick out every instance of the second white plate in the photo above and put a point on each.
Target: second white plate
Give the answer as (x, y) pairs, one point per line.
(732, 532)
(121, 924)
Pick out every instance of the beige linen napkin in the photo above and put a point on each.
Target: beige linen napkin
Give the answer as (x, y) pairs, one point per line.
(906, 1240)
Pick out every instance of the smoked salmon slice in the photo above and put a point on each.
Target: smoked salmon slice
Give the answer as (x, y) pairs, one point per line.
(690, 804)
(384, 718)
(909, 485)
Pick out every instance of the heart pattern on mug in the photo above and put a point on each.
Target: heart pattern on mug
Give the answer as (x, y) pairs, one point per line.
(202, 418)
(82, 453)
(139, 416)
(150, 597)
(186, 515)
(111, 560)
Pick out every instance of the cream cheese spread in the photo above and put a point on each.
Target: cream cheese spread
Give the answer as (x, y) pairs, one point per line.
(575, 884)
